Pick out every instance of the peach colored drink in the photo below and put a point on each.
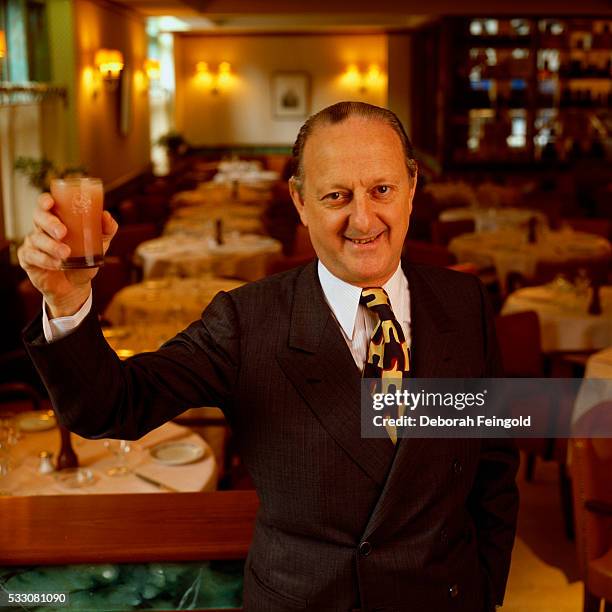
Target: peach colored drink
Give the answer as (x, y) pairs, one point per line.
(78, 203)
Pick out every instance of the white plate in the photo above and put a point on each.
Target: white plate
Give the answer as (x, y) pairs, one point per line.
(177, 453)
(37, 420)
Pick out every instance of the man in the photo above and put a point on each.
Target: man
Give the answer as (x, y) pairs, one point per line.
(345, 522)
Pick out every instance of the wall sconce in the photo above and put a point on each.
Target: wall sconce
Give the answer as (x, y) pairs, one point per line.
(214, 81)
(363, 81)
(153, 69)
(2, 53)
(109, 62)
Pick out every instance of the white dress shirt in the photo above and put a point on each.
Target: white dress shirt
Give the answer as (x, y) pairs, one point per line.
(357, 322)
(54, 329)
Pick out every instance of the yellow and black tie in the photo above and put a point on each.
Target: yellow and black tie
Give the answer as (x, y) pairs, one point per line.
(388, 354)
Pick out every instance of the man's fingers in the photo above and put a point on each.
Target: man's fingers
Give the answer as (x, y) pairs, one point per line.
(54, 248)
(49, 223)
(33, 258)
(109, 225)
(45, 201)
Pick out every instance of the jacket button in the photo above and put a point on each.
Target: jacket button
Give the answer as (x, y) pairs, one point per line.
(457, 467)
(365, 548)
(453, 591)
(444, 536)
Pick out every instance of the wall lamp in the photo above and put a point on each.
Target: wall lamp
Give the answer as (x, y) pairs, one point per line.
(365, 80)
(109, 63)
(214, 81)
(153, 69)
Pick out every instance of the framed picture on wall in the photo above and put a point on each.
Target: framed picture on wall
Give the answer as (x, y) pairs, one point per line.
(290, 95)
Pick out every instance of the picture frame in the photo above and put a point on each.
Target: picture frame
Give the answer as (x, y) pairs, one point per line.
(290, 95)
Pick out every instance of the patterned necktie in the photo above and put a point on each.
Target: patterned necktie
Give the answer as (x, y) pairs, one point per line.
(388, 353)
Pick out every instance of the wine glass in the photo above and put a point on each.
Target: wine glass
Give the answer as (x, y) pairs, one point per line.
(121, 450)
(9, 436)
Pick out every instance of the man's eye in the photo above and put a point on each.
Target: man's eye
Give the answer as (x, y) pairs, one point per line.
(382, 189)
(335, 195)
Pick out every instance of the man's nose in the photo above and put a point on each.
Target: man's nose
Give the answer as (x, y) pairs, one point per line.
(362, 215)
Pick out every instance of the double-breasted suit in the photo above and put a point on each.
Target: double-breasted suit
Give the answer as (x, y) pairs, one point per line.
(344, 522)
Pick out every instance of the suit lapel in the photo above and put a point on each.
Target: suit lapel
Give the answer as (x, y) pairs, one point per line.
(320, 365)
(432, 332)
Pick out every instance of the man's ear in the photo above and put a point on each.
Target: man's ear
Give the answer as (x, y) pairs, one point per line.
(413, 185)
(298, 201)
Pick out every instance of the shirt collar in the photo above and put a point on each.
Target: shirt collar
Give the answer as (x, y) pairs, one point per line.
(343, 298)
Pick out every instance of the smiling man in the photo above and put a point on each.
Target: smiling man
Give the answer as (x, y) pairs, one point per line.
(345, 522)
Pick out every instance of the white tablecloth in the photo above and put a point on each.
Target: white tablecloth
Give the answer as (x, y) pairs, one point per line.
(598, 387)
(492, 219)
(509, 251)
(565, 322)
(241, 255)
(199, 221)
(167, 303)
(26, 480)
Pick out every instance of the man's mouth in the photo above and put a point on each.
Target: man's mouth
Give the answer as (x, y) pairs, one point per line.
(365, 240)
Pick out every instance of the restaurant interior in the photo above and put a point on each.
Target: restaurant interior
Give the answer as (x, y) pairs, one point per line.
(187, 110)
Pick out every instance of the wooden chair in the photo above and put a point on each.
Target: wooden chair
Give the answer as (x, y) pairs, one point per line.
(419, 252)
(112, 276)
(600, 227)
(128, 528)
(442, 232)
(592, 476)
(520, 345)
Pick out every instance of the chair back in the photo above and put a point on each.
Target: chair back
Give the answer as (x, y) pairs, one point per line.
(519, 340)
(591, 467)
(112, 276)
(600, 227)
(442, 232)
(596, 268)
(419, 252)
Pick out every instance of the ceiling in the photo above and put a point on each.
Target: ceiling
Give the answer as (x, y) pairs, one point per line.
(345, 15)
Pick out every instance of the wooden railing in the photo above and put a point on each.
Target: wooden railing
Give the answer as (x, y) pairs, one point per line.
(57, 530)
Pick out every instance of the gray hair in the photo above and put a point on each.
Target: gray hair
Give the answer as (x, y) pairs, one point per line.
(339, 112)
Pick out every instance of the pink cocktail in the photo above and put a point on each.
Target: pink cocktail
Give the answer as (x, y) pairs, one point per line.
(78, 203)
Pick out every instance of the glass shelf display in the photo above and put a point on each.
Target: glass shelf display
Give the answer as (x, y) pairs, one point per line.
(527, 89)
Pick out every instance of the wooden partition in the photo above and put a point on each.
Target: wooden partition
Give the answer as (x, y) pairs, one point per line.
(127, 528)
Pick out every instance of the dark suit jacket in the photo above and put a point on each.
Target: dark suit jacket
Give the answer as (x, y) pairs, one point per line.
(344, 522)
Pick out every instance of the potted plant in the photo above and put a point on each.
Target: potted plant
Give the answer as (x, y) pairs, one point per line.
(174, 143)
(39, 172)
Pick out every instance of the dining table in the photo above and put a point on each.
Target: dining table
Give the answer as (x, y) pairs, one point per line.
(563, 312)
(157, 309)
(596, 390)
(200, 220)
(171, 458)
(490, 219)
(509, 250)
(238, 255)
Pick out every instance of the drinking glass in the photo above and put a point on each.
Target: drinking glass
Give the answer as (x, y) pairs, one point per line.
(79, 204)
(121, 450)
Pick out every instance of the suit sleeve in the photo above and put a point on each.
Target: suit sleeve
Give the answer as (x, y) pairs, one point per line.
(494, 499)
(97, 395)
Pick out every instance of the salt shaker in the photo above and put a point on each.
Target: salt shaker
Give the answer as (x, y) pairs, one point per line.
(45, 465)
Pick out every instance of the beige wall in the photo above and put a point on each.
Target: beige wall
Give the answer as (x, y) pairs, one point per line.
(243, 113)
(104, 151)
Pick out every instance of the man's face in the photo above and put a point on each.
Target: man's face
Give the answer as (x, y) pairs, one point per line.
(356, 199)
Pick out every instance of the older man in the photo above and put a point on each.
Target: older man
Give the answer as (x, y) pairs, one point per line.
(345, 522)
